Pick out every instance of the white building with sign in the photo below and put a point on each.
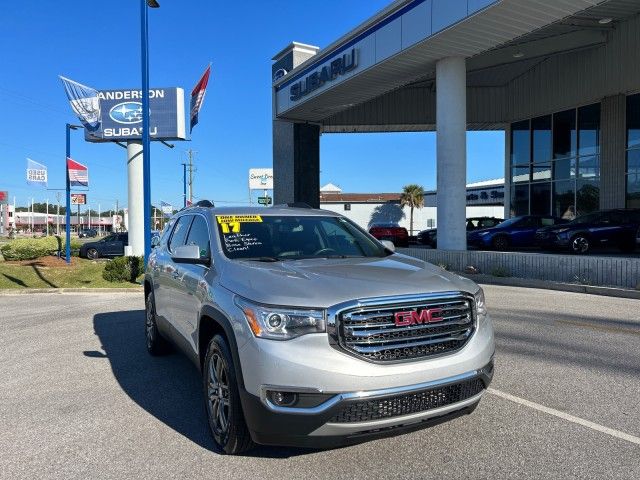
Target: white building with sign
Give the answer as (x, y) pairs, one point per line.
(484, 199)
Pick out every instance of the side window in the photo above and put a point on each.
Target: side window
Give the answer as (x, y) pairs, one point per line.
(547, 221)
(166, 232)
(199, 235)
(179, 232)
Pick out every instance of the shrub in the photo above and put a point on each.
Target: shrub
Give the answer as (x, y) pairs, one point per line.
(499, 272)
(123, 269)
(32, 248)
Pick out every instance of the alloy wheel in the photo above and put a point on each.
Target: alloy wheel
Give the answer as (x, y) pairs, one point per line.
(580, 244)
(218, 395)
(92, 254)
(150, 327)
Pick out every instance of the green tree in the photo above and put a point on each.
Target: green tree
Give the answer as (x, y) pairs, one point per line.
(413, 197)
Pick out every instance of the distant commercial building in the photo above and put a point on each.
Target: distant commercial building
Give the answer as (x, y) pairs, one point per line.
(484, 199)
(560, 78)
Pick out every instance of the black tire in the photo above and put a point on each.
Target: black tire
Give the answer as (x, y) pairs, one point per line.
(222, 399)
(580, 244)
(92, 254)
(501, 243)
(156, 343)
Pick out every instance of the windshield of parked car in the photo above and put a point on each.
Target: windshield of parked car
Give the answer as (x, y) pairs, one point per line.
(275, 238)
(589, 218)
(509, 222)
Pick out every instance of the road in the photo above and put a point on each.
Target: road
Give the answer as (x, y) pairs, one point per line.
(81, 398)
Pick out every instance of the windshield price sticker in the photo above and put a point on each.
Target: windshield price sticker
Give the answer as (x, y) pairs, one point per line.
(231, 223)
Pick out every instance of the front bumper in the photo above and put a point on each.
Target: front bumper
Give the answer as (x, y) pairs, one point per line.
(342, 419)
(310, 364)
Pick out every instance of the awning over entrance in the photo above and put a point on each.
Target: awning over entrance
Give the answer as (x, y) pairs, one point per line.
(381, 75)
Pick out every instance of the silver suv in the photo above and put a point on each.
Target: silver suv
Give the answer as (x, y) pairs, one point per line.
(310, 332)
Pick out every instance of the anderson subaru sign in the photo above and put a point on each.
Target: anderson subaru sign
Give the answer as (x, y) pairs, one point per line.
(121, 115)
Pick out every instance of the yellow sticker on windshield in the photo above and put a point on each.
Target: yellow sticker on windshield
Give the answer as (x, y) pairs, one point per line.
(231, 223)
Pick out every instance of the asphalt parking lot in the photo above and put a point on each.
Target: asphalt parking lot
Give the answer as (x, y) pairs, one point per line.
(81, 398)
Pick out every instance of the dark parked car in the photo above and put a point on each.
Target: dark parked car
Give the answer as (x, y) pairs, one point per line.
(618, 228)
(430, 236)
(87, 232)
(515, 232)
(110, 246)
(394, 233)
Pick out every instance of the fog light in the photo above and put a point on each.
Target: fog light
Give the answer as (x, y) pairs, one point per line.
(283, 399)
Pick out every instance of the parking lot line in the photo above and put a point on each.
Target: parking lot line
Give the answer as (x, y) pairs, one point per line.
(565, 416)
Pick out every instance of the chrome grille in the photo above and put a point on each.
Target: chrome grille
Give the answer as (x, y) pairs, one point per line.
(370, 332)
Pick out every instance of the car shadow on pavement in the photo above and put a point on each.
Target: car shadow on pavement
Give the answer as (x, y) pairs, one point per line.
(167, 387)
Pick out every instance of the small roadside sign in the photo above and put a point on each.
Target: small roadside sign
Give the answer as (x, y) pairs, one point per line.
(264, 200)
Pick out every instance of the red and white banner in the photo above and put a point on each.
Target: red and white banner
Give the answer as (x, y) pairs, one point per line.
(78, 174)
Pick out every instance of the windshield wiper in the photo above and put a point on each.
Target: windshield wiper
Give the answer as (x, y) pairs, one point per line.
(262, 259)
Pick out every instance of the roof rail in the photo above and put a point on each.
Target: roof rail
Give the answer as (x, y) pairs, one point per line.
(201, 203)
(295, 205)
(204, 203)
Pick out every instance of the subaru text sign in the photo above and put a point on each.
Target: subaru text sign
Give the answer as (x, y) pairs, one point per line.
(121, 115)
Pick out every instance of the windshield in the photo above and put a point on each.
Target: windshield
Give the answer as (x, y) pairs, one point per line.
(509, 222)
(274, 238)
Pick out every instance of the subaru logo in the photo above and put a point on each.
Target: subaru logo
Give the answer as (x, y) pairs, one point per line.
(126, 112)
(281, 72)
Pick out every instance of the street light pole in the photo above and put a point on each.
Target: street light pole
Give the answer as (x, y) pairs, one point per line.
(146, 140)
(69, 127)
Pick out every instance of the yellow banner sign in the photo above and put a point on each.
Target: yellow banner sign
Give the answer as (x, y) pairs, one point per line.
(231, 223)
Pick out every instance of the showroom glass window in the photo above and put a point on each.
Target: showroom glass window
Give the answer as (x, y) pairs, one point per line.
(564, 164)
(520, 167)
(633, 151)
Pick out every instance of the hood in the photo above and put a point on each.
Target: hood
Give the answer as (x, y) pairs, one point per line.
(325, 282)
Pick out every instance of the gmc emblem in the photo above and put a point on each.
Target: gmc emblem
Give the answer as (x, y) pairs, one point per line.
(428, 315)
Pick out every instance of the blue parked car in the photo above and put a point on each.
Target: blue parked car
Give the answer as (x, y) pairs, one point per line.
(516, 232)
(618, 228)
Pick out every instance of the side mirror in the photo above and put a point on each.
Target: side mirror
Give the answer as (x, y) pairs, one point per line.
(190, 254)
(389, 245)
(155, 241)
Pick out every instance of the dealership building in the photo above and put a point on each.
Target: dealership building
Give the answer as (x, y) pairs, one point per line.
(561, 78)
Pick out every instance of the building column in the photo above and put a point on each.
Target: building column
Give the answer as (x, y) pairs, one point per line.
(451, 148)
(613, 143)
(135, 226)
(296, 163)
(296, 146)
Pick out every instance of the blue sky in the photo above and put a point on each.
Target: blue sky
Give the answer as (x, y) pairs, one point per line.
(101, 48)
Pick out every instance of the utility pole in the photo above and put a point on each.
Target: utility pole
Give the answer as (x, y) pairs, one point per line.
(99, 220)
(58, 214)
(46, 220)
(190, 154)
(184, 185)
(117, 213)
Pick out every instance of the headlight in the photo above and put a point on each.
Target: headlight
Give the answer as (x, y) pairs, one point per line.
(481, 307)
(562, 230)
(281, 323)
(482, 234)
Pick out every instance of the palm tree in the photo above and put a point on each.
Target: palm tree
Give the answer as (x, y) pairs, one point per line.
(412, 196)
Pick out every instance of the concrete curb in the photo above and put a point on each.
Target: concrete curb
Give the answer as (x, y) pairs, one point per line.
(558, 286)
(27, 291)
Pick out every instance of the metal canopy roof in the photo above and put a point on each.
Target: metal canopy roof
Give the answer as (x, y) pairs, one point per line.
(501, 42)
